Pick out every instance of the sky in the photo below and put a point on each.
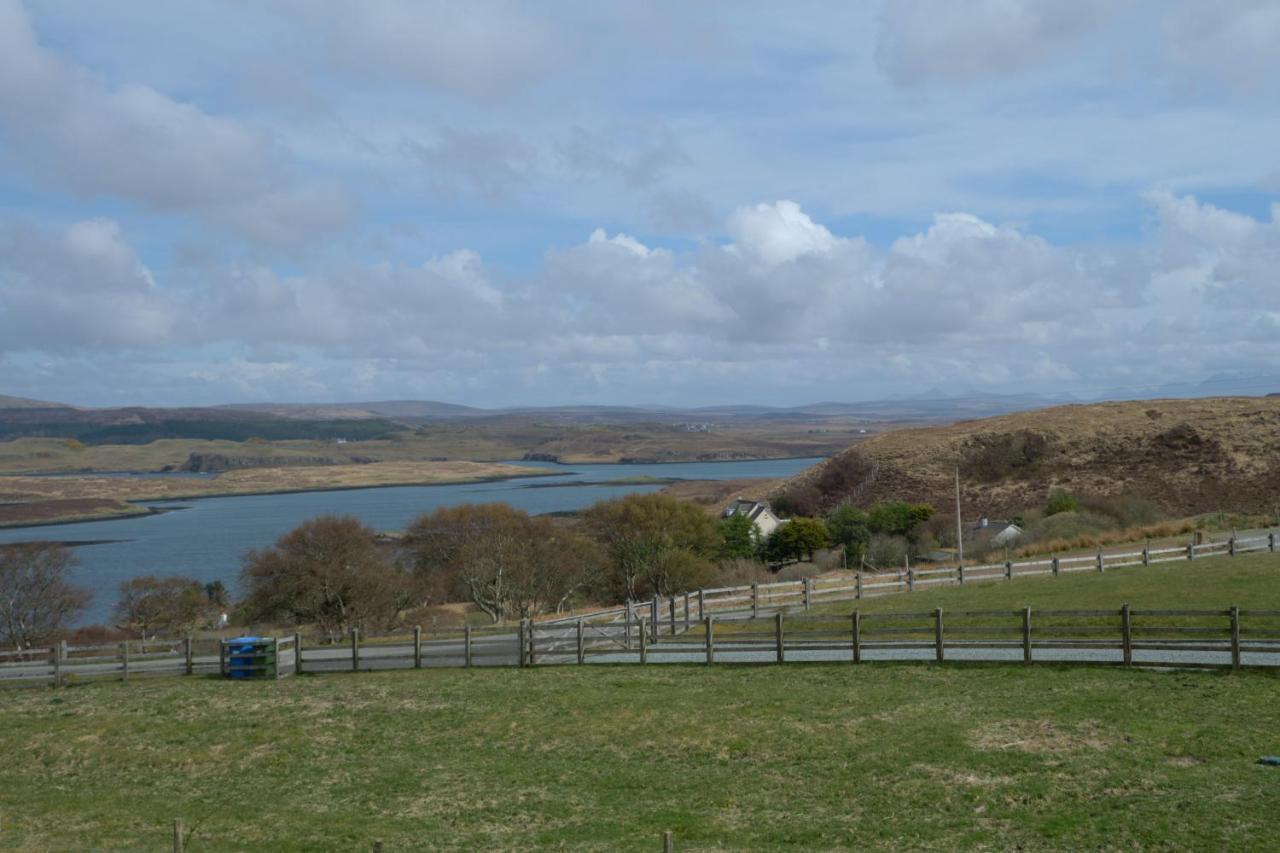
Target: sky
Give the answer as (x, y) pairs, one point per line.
(503, 203)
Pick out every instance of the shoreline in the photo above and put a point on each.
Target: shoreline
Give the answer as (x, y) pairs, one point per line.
(144, 512)
(148, 509)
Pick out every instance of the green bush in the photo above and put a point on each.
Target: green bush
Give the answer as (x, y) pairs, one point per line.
(1060, 500)
(886, 552)
(848, 527)
(1127, 510)
(1069, 524)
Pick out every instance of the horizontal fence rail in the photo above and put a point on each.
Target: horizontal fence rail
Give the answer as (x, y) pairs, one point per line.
(749, 623)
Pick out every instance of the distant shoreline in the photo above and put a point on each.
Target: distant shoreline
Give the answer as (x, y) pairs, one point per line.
(148, 508)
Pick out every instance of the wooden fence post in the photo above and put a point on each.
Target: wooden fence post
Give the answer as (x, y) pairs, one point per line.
(777, 619)
(1191, 549)
(960, 572)
(626, 626)
(808, 593)
(702, 603)
(466, 646)
(644, 645)
(1126, 632)
(857, 585)
(1231, 545)
(1271, 542)
(55, 659)
(671, 613)
(668, 842)
(1102, 562)
(1053, 561)
(177, 835)
(531, 631)
(1146, 553)
(275, 656)
(582, 649)
(187, 655)
(1235, 637)
(911, 580)
(1026, 635)
(1008, 570)
(297, 653)
(417, 647)
(937, 634)
(124, 661)
(653, 616)
(857, 636)
(709, 622)
(755, 600)
(355, 649)
(686, 611)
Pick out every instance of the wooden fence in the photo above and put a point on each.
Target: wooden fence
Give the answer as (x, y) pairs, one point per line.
(725, 624)
(760, 598)
(1124, 636)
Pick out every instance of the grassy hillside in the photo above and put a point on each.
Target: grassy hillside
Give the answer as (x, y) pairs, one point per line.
(1251, 581)
(8, 402)
(1186, 456)
(828, 756)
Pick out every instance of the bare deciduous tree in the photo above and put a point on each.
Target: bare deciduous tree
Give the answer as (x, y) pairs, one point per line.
(151, 606)
(507, 563)
(37, 603)
(330, 572)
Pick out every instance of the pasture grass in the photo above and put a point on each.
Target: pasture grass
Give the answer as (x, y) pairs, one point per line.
(1251, 581)
(827, 756)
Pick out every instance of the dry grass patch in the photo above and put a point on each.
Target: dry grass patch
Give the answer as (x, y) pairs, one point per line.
(1041, 736)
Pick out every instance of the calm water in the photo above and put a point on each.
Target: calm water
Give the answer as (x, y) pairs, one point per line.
(205, 539)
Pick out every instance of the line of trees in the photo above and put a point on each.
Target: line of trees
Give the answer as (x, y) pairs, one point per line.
(336, 573)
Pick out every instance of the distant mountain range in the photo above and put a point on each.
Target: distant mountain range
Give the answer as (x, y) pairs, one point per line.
(946, 408)
(930, 406)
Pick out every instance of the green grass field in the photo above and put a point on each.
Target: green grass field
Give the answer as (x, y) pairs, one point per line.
(765, 757)
(1251, 580)
(799, 756)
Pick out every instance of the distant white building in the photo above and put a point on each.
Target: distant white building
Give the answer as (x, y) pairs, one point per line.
(998, 533)
(759, 513)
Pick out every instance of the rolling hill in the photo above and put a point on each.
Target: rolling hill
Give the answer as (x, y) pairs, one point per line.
(7, 402)
(1187, 456)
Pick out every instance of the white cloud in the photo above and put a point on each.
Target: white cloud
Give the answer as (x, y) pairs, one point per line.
(963, 302)
(82, 288)
(1232, 40)
(779, 232)
(482, 49)
(135, 143)
(922, 41)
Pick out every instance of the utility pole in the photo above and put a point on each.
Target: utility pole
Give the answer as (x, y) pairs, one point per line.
(959, 524)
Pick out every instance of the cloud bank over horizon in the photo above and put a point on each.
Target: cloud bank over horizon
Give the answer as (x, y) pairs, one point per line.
(670, 206)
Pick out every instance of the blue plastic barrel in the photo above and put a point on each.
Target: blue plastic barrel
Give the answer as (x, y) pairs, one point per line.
(246, 657)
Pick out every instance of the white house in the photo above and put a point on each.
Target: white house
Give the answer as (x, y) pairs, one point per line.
(759, 513)
(996, 533)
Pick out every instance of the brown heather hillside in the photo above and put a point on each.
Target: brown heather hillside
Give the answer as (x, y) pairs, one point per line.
(1189, 456)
